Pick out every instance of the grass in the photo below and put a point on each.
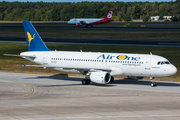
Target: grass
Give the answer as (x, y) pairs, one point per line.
(12, 64)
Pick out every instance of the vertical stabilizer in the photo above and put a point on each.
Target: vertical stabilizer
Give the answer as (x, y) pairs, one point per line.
(109, 15)
(34, 41)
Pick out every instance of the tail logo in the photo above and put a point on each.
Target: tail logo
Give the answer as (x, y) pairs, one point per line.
(109, 15)
(30, 38)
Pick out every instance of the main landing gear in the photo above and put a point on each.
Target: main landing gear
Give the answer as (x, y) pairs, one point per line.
(86, 81)
(153, 84)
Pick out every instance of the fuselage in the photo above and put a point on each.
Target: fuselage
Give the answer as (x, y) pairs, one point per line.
(91, 21)
(86, 20)
(118, 63)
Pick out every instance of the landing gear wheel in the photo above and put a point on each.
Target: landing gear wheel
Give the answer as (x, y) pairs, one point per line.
(153, 84)
(112, 79)
(91, 25)
(86, 81)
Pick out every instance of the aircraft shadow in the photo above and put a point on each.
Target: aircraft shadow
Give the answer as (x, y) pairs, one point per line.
(124, 81)
(67, 78)
(143, 82)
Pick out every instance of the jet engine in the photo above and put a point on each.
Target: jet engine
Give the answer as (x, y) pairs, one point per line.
(100, 77)
(136, 77)
(78, 24)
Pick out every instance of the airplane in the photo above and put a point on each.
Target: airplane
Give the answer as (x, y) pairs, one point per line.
(90, 21)
(96, 66)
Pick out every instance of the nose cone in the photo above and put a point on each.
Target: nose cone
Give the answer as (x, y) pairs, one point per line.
(172, 70)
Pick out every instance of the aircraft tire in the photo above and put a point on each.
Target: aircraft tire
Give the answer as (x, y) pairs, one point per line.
(86, 81)
(153, 84)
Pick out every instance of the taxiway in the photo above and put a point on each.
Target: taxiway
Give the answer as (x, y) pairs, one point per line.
(46, 97)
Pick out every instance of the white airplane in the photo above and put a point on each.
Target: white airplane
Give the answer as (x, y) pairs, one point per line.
(98, 67)
(91, 21)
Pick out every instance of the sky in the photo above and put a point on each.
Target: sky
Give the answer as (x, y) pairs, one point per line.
(87, 0)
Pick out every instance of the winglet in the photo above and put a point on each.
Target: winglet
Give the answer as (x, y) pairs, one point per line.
(23, 65)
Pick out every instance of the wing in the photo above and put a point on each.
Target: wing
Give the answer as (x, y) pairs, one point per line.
(82, 70)
(83, 23)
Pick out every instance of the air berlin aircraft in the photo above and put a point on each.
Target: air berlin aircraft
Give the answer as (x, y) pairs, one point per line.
(91, 21)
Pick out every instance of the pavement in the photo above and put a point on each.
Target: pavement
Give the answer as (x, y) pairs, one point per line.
(55, 97)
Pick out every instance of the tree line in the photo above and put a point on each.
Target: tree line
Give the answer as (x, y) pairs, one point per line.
(54, 11)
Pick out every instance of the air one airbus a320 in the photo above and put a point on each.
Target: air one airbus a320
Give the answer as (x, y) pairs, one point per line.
(97, 67)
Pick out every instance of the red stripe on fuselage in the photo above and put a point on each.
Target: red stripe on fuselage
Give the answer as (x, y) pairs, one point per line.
(102, 21)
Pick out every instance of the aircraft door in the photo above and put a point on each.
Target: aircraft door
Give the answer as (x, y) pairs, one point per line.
(45, 59)
(148, 64)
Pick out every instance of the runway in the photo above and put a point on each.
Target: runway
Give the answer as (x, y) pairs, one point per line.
(97, 27)
(54, 97)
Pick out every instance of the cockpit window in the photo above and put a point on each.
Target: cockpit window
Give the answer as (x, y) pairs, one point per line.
(167, 62)
(163, 62)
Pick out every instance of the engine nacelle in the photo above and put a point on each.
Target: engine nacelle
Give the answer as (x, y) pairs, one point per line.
(136, 77)
(78, 24)
(100, 77)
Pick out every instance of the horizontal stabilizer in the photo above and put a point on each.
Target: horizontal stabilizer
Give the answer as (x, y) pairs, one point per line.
(23, 65)
(32, 56)
(12, 55)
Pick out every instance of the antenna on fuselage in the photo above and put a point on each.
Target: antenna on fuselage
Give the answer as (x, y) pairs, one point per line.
(150, 53)
(80, 50)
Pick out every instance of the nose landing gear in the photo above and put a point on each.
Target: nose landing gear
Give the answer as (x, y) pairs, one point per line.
(153, 84)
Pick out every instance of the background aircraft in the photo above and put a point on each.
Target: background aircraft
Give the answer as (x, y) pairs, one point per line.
(91, 21)
(97, 67)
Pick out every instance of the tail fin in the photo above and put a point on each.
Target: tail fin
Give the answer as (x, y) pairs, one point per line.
(34, 41)
(109, 15)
